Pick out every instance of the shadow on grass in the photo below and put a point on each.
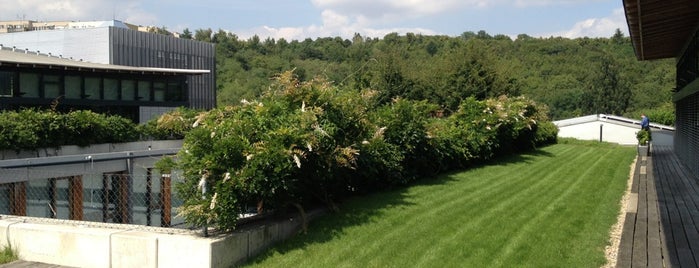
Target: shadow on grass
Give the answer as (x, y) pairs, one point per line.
(361, 210)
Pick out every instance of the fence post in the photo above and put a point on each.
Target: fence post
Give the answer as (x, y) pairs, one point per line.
(18, 201)
(165, 200)
(75, 197)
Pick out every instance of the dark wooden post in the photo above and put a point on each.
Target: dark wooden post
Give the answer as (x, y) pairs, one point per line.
(165, 200)
(123, 196)
(75, 197)
(18, 201)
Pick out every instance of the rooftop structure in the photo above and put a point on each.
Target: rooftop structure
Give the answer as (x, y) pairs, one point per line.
(13, 26)
(165, 71)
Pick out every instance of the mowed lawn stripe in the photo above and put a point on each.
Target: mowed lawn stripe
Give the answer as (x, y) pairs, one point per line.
(541, 216)
(474, 241)
(580, 242)
(466, 216)
(453, 197)
(539, 209)
(434, 200)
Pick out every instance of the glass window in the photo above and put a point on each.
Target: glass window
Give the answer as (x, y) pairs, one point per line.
(144, 90)
(92, 88)
(111, 89)
(128, 90)
(72, 85)
(52, 86)
(159, 91)
(174, 92)
(29, 85)
(7, 83)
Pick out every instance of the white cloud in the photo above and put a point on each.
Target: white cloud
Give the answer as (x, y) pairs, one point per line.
(387, 10)
(531, 3)
(333, 24)
(344, 30)
(76, 10)
(596, 27)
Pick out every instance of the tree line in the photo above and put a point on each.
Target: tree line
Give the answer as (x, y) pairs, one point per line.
(573, 77)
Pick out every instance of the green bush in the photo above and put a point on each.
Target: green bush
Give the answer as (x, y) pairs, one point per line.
(405, 125)
(172, 125)
(664, 115)
(309, 142)
(643, 136)
(31, 129)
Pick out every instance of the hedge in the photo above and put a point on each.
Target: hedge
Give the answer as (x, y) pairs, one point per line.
(309, 142)
(31, 129)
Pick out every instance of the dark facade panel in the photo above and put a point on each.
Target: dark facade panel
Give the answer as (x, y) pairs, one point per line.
(134, 48)
(687, 107)
(687, 131)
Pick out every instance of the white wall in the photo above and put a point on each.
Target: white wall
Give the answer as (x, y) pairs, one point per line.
(611, 132)
(88, 44)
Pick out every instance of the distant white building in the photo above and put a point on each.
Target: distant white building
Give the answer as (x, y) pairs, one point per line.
(610, 128)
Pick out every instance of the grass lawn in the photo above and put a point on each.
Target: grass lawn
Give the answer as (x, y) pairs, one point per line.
(7, 255)
(550, 208)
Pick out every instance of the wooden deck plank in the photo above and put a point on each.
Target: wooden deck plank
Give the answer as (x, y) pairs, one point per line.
(655, 257)
(665, 198)
(640, 249)
(626, 244)
(679, 201)
(685, 199)
(664, 231)
(687, 229)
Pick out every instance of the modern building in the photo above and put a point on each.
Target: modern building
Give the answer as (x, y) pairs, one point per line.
(670, 29)
(31, 79)
(114, 43)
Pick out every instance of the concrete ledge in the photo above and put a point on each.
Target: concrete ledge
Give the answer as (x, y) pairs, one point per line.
(58, 244)
(79, 244)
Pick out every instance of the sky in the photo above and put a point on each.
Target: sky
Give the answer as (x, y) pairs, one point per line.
(301, 19)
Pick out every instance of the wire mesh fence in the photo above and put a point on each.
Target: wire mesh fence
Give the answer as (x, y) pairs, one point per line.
(113, 197)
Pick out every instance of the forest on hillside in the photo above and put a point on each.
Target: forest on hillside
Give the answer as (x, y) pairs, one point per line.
(573, 77)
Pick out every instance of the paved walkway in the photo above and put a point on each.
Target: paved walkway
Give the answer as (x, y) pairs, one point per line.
(29, 264)
(660, 228)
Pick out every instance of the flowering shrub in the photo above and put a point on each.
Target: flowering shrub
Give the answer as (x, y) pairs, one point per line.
(306, 142)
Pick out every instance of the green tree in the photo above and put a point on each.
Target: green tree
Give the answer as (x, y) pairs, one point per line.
(186, 34)
(607, 91)
(203, 35)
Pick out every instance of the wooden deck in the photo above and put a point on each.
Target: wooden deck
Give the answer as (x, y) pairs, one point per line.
(660, 228)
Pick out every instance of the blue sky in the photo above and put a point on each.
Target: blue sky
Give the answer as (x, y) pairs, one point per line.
(300, 19)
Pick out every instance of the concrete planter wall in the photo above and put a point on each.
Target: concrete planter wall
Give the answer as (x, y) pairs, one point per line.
(91, 149)
(76, 244)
